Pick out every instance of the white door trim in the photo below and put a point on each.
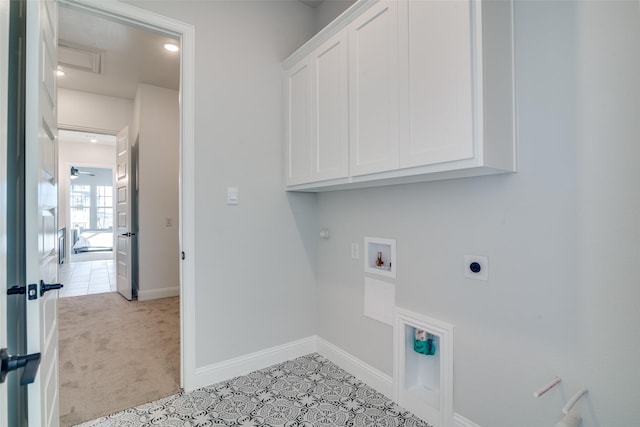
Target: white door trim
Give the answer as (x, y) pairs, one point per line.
(186, 33)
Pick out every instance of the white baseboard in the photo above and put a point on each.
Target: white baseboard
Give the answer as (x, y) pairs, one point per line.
(243, 365)
(460, 421)
(361, 370)
(146, 295)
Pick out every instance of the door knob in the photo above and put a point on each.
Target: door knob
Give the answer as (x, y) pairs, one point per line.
(29, 362)
(45, 287)
(128, 234)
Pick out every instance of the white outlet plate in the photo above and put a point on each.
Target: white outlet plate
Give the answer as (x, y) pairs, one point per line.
(232, 196)
(355, 251)
(483, 274)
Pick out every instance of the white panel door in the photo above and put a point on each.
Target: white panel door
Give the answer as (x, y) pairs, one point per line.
(4, 66)
(435, 81)
(298, 123)
(125, 233)
(330, 113)
(41, 207)
(373, 69)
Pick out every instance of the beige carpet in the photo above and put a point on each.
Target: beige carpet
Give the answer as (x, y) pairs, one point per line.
(115, 354)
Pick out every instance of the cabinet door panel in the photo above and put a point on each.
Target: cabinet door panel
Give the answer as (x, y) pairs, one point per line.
(373, 43)
(436, 81)
(331, 136)
(299, 125)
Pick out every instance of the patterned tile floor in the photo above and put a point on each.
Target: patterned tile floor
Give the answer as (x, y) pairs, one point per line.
(304, 392)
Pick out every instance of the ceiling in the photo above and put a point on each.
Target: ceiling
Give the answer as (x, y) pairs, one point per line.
(126, 55)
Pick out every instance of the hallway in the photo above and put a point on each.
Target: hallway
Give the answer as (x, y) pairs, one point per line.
(115, 354)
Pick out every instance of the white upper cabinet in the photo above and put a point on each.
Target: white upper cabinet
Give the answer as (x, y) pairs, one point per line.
(397, 91)
(298, 124)
(330, 142)
(436, 82)
(456, 86)
(373, 72)
(317, 128)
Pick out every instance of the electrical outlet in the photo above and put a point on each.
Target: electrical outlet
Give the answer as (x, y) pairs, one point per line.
(476, 267)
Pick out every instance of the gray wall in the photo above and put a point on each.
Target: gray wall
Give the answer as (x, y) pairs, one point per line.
(561, 236)
(78, 110)
(328, 10)
(254, 261)
(156, 130)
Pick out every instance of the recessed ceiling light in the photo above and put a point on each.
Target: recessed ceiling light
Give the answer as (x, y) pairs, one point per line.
(59, 73)
(171, 47)
(93, 139)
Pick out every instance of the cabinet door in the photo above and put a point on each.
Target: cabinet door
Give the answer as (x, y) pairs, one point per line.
(373, 70)
(298, 96)
(435, 81)
(330, 118)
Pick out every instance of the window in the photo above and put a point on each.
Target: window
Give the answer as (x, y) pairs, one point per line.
(92, 203)
(104, 207)
(80, 206)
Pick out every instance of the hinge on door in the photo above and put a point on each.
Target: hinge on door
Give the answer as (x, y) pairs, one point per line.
(183, 255)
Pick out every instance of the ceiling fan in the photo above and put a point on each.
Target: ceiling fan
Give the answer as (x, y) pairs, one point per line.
(75, 173)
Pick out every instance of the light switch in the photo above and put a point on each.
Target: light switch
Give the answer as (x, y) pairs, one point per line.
(232, 195)
(355, 251)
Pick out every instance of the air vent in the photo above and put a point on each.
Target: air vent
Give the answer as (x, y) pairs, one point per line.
(83, 58)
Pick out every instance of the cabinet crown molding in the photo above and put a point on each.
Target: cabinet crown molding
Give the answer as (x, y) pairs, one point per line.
(327, 32)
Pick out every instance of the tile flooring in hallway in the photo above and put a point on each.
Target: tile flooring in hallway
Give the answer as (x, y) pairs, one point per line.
(87, 277)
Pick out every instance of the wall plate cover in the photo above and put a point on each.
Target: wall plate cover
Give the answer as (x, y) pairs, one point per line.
(232, 195)
(355, 251)
(379, 300)
(476, 267)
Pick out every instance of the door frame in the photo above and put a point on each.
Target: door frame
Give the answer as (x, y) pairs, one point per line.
(185, 32)
(65, 169)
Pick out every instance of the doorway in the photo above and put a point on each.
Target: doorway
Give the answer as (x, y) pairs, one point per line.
(132, 113)
(91, 214)
(86, 168)
(184, 33)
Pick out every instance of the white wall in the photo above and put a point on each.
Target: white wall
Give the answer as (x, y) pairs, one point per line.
(86, 110)
(328, 10)
(561, 236)
(255, 261)
(157, 123)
